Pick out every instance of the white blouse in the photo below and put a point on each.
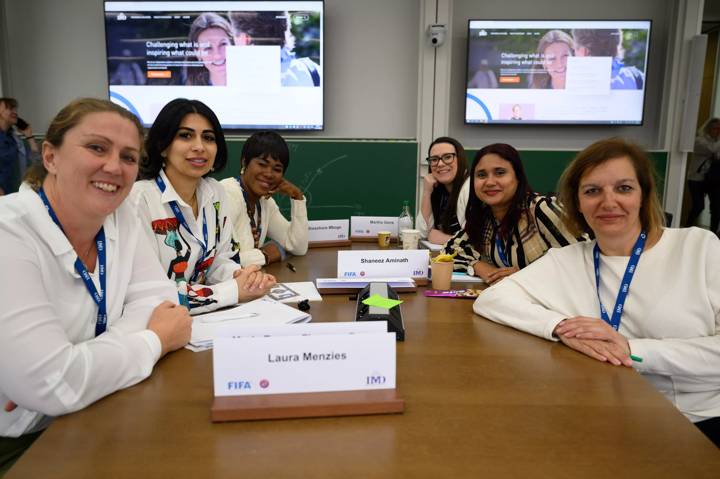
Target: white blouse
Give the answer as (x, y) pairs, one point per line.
(292, 235)
(51, 363)
(180, 250)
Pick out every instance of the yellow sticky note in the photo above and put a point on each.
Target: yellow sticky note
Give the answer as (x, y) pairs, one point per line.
(381, 302)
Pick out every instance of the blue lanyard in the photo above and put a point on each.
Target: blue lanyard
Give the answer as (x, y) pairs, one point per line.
(625, 286)
(98, 297)
(253, 225)
(501, 251)
(500, 246)
(181, 219)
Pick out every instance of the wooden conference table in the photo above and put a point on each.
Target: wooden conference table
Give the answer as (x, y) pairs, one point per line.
(482, 400)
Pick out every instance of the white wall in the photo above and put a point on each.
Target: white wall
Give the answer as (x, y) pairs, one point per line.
(57, 53)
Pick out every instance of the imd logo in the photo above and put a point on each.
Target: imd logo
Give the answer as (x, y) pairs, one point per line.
(375, 380)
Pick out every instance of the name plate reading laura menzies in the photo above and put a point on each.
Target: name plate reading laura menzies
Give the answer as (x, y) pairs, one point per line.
(245, 366)
(328, 230)
(370, 226)
(377, 263)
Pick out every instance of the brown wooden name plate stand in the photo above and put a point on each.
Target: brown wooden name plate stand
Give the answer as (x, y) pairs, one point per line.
(329, 244)
(323, 404)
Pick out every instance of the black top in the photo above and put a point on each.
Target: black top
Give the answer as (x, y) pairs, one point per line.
(445, 216)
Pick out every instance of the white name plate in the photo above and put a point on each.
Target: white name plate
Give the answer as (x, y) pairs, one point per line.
(370, 226)
(301, 364)
(375, 263)
(328, 230)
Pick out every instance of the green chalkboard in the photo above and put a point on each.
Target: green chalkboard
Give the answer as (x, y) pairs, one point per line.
(544, 167)
(344, 178)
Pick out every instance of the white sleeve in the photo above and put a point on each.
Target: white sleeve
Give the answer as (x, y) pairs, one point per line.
(422, 226)
(42, 369)
(693, 361)
(462, 202)
(292, 235)
(526, 300)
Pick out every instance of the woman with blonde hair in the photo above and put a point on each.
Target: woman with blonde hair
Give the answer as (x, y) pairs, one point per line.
(553, 50)
(86, 308)
(640, 295)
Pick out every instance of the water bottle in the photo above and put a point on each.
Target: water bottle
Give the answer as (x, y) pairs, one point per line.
(405, 220)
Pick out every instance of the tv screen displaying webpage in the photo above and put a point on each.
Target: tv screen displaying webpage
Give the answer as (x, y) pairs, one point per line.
(258, 65)
(556, 72)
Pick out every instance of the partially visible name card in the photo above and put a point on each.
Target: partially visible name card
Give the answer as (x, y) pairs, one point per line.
(345, 283)
(377, 263)
(245, 366)
(370, 226)
(298, 329)
(328, 230)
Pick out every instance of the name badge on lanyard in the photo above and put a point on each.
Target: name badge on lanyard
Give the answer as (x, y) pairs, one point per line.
(624, 286)
(199, 264)
(99, 297)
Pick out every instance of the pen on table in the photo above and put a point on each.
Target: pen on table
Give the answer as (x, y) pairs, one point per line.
(292, 268)
(637, 359)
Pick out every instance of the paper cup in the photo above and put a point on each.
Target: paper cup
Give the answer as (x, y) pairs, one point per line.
(441, 274)
(384, 239)
(410, 238)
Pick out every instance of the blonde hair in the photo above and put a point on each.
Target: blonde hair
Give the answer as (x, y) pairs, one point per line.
(68, 118)
(651, 214)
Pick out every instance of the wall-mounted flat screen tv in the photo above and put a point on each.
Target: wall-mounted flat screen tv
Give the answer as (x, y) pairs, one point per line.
(258, 65)
(556, 72)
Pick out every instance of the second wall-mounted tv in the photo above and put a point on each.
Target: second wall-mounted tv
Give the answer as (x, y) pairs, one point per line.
(258, 65)
(556, 72)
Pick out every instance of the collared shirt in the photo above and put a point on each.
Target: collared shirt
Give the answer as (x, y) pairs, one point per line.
(51, 363)
(291, 235)
(179, 250)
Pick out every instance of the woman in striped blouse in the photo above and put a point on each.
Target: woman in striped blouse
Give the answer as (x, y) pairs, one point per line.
(508, 226)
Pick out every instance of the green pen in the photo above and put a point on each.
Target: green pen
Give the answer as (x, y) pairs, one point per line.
(637, 359)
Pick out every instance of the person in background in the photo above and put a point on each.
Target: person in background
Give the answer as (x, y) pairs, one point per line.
(603, 42)
(255, 215)
(553, 49)
(445, 191)
(703, 174)
(273, 28)
(185, 214)
(507, 225)
(86, 308)
(516, 112)
(17, 153)
(212, 34)
(640, 295)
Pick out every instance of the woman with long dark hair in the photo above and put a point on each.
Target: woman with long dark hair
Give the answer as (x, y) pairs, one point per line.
(508, 226)
(184, 211)
(445, 191)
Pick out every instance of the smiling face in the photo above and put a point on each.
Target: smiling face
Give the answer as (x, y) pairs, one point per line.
(610, 199)
(555, 61)
(262, 175)
(211, 51)
(191, 155)
(444, 173)
(94, 168)
(495, 181)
